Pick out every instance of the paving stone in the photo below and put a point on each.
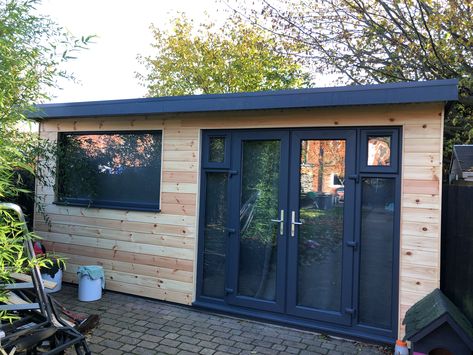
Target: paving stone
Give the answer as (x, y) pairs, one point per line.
(107, 343)
(207, 352)
(228, 349)
(142, 351)
(112, 352)
(170, 342)
(147, 344)
(151, 338)
(208, 344)
(164, 349)
(127, 348)
(186, 339)
(190, 347)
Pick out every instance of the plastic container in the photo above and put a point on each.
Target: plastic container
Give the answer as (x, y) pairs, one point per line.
(91, 282)
(57, 279)
(401, 348)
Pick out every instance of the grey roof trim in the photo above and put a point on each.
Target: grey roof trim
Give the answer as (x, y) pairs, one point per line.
(393, 93)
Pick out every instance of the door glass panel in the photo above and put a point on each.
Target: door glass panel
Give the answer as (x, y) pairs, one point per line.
(376, 259)
(320, 238)
(215, 235)
(259, 203)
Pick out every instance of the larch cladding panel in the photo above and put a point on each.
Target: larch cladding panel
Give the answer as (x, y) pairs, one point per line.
(153, 254)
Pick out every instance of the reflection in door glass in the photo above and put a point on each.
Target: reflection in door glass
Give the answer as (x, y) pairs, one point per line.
(376, 259)
(215, 235)
(321, 235)
(258, 205)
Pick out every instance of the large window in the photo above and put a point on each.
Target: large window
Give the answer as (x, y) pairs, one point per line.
(111, 170)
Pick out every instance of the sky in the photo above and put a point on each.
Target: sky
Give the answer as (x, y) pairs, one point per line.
(107, 69)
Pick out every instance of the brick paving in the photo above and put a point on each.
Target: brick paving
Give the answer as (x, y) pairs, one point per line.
(136, 325)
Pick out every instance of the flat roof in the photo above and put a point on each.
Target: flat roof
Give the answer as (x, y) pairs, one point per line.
(378, 94)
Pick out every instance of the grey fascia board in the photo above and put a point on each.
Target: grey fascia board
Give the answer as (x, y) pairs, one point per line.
(395, 93)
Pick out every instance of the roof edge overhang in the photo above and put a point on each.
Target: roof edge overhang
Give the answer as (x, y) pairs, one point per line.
(378, 94)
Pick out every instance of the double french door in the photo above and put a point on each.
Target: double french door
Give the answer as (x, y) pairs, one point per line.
(278, 222)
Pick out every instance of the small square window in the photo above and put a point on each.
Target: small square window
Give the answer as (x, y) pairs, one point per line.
(217, 149)
(379, 151)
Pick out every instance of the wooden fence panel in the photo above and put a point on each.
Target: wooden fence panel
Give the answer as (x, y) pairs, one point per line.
(457, 246)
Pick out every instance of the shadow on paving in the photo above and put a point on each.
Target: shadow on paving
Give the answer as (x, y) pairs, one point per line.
(136, 325)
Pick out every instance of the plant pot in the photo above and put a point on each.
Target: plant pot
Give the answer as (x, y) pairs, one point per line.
(57, 279)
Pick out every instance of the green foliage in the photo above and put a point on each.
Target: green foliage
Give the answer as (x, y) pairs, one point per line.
(32, 48)
(205, 59)
(377, 41)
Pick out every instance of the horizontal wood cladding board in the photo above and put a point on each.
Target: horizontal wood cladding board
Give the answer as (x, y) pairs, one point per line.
(113, 234)
(421, 159)
(419, 257)
(189, 177)
(123, 225)
(420, 272)
(123, 256)
(180, 166)
(422, 173)
(421, 145)
(133, 268)
(426, 130)
(123, 215)
(179, 198)
(185, 210)
(184, 187)
(190, 156)
(423, 229)
(426, 187)
(99, 242)
(421, 201)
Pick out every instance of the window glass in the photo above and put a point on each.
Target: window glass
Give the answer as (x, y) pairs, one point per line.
(110, 170)
(376, 259)
(215, 235)
(217, 149)
(379, 151)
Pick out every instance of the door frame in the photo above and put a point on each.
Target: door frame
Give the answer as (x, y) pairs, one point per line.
(356, 330)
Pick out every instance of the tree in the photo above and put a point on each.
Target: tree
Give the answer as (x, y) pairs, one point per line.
(32, 49)
(206, 60)
(377, 41)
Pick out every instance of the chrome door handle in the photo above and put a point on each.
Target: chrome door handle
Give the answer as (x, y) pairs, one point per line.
(294, 223)
(281, 223)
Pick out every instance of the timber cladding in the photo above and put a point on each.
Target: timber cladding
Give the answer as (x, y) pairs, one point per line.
(153, 253)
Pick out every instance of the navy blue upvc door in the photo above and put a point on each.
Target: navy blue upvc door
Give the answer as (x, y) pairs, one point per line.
(257, 248)
(321, 239)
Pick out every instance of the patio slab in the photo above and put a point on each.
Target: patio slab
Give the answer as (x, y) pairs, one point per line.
(137, 325)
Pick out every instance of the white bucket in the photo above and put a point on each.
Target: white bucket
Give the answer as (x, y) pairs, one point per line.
(57, 279)
(89, 290)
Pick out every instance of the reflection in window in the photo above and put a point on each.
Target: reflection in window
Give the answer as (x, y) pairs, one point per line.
(379, 151)
(217, 149)
(376, 259)
(110, 170)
